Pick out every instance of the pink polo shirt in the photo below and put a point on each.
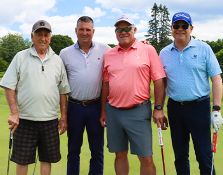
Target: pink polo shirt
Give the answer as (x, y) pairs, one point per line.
(129, 73)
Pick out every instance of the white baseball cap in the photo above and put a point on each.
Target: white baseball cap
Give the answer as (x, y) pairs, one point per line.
(124, 18)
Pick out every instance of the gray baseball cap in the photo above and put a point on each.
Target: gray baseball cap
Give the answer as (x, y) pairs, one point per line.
(41, 24)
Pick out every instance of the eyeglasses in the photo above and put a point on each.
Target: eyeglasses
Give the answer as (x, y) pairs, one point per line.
(125, 29)
(183, 26)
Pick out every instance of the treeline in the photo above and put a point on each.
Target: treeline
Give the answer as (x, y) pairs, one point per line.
(12, 43)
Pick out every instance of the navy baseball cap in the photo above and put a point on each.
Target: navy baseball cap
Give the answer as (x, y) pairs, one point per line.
(182, 16)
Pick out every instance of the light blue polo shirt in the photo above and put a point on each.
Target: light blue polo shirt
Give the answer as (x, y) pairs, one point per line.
(188, 71)
(84, 70)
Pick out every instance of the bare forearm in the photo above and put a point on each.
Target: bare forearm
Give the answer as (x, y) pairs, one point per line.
(11, 99)
(63, 106)
(159, 92)
(104, 95)
(217, 90)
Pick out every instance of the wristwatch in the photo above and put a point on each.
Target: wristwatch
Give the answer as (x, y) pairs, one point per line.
(216, 108)
(158, 107)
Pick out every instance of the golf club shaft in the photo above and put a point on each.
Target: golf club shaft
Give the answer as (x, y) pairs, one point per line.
(9, 153)
(162, 150)
(164, 169)
(214, 149)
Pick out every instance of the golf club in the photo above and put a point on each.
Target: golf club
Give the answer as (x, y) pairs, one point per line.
(162, 151)
(214, 149)
(10, 146)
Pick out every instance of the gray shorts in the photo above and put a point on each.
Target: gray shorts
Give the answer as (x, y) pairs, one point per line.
(132, 126)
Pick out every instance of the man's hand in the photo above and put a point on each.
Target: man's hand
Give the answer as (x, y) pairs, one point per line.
(62, 126)
(13, 122)
(103, 119)
(216, 120)
(160, 119)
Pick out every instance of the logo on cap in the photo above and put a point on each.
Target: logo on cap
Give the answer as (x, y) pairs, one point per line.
(42, 23)
(182, 16)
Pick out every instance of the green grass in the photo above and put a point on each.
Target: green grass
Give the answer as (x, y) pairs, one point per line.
(60, 168)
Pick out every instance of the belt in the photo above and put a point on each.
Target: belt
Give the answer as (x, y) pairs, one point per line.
(134, 106)
(190, 102)
(84, 102)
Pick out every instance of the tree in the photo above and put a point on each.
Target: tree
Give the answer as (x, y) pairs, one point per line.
(3, 65)
(11, 44)
(216, 45)
(159, 27)
(58, 42)
(219, 56)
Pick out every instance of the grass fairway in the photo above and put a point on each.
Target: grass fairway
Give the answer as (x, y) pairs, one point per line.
(60, 168)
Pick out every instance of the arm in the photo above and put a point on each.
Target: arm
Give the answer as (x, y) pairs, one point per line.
(63, 110)
(13, 119)
(159, 96)
(104, 95)
(217, 90)
(216, 118)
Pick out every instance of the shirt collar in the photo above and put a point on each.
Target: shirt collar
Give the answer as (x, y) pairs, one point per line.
(133, 46)
(77, 46)
(190, 44)
(33, 51)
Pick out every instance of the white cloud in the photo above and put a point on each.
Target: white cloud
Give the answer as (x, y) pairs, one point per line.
(12, 11)
(94, 13)
(210, 30)
(122, 3)
(105, 35)
(5, 31)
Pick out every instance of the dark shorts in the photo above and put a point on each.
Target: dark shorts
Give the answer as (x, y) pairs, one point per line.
(130, 127)
(32, 134)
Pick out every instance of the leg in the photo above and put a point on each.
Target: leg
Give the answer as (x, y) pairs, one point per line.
(121, 163)
(199, 123)
(96, 139)
(180, 137)
(24, 146)
(45, 168)
(147, 166)
(76, 125)
(21, 169)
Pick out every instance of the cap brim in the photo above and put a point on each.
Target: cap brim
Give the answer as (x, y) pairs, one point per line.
(42, 28)
(181, 20)
(121, 21)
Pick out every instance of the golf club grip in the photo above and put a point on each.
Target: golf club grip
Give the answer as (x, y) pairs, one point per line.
(10, 140)
(160, 136)
(214, 142)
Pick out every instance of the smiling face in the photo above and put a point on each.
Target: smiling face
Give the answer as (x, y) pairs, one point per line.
(84, 32)
(41, 40)
(125, 34)
(181, 31)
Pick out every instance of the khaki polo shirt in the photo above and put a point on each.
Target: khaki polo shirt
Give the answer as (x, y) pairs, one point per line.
(38, 84)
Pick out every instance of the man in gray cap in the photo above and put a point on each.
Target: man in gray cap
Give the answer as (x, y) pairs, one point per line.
(35, 84)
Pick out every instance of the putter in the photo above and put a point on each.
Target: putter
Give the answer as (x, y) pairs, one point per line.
(10, 146)
(161, 146)
(214, 149)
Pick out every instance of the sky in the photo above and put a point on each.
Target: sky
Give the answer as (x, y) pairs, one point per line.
(18, 16)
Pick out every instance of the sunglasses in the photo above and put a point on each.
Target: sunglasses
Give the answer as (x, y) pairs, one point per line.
(183, 26)
(125, 29)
